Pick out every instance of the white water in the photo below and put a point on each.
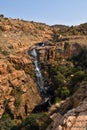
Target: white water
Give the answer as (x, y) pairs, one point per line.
(40, 80)
(38, 72)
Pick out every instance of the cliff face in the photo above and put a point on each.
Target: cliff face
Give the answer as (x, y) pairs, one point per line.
(53, 51)
(18, 88)
(71, 114)
(59, 56)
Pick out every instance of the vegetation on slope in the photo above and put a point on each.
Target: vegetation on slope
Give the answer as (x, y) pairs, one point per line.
(72, 30)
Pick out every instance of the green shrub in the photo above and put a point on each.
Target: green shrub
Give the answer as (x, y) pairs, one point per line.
(36, 122)
(17, 67)
(17, 93)
(59, 79)
(5, 122)
(61, 93)
(5, 116)
(65, 92)
(78, 76)
(6, 102)
(57, 99)
(4, 52)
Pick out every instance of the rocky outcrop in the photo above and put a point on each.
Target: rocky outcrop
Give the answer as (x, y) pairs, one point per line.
(18, 92)
(52, 52)
(72, 113)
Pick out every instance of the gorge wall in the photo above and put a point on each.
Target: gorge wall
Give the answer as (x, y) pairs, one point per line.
(18, 88)
(19, 93)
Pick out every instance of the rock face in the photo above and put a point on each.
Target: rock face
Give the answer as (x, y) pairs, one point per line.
(64, 50)
(18, 91)
(18, 88)
(72, 114)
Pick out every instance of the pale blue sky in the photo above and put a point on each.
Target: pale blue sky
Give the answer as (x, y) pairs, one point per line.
(68, 12)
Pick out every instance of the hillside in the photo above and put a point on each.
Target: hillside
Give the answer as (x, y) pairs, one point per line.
(73, 30)
(61, 53)
(18, 90)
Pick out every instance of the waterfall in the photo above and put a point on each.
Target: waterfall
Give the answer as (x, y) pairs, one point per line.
(40, 80)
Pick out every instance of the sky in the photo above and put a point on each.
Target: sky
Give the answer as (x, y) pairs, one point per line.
(65, 12)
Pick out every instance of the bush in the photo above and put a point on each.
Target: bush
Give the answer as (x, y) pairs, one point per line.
(61, 93)
(57, 99)
(5, 116)
(59, 79)
(78, 76)
(65, 92)
(5, 122)
(4, 52)
(36, 122)
(17, 93)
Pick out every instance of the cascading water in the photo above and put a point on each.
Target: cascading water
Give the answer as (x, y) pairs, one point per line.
(39, 76)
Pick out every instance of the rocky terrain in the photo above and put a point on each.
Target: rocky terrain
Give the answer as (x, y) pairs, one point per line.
(62, 60)
(16, 36)
(71, 114)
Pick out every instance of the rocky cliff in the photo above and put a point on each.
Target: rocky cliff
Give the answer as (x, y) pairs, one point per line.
(18, 88)
(62, 61)
(71, 114)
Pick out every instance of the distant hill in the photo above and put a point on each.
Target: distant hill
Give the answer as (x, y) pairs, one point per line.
(73, 30)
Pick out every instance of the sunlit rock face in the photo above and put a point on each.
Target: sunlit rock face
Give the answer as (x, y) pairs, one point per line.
(53, 52)
(17, 90)
(72, 113)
